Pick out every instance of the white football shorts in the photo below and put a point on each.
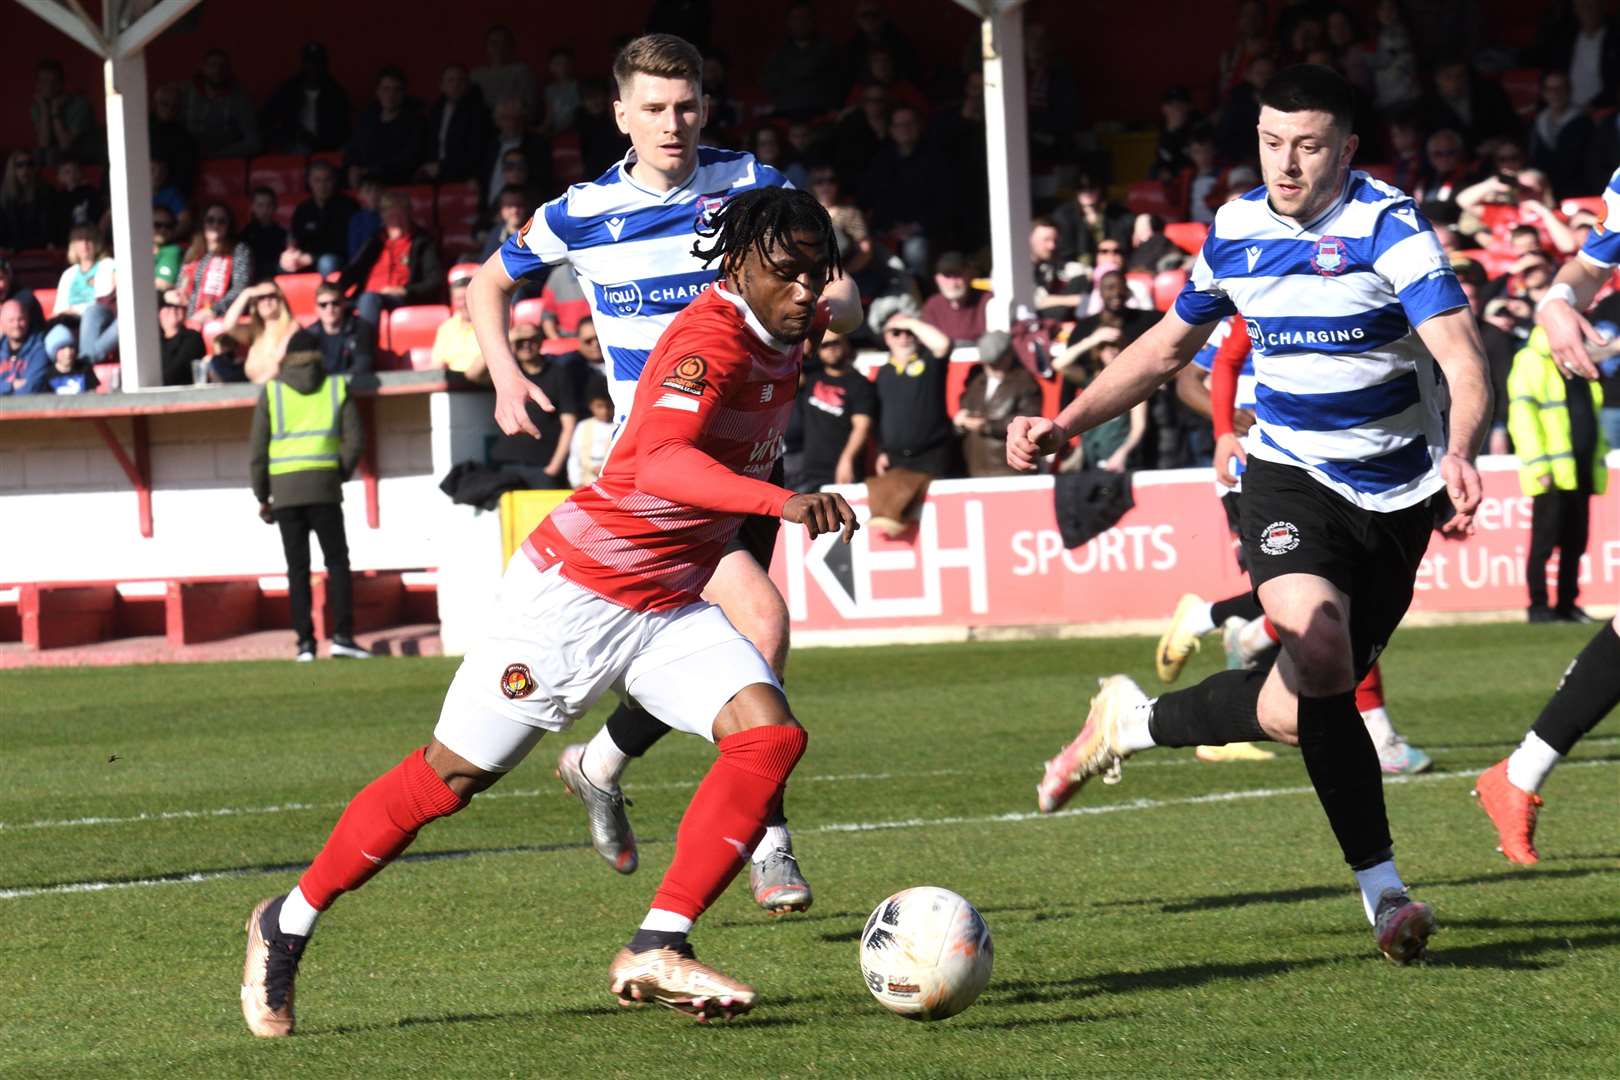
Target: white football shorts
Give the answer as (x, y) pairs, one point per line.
(553, 648)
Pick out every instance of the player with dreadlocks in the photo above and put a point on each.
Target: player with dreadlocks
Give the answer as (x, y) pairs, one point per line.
(606, 595)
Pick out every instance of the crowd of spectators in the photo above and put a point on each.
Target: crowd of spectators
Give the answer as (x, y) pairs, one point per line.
(891, 142)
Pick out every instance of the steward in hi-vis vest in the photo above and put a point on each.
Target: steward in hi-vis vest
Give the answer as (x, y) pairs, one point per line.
(305, 441)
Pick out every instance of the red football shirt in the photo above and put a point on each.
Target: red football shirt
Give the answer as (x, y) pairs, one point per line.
(705, 430)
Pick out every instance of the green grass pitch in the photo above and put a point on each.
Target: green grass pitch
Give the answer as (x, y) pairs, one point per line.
(1194, 921)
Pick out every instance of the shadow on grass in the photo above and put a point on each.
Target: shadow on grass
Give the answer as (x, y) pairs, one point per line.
(1179, 977)
(1019, 1022)
(529, 1015)
(214, 873)
(1306, 893)
(1522, 954)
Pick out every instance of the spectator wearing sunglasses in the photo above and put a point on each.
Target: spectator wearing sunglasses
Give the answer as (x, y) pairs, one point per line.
(348, 345)
(220, 265)
(181, 346)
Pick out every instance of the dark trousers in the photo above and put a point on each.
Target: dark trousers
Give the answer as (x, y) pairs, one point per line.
(1561, 520)
(326, 519)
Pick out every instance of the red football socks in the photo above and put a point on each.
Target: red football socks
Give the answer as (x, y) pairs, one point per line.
(727, 815)
(1370, 694)
(376, 826)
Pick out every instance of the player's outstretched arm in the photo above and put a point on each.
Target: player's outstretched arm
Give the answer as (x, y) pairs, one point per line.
(1559, 313)
(489, 300)
(822, 512)
(1142, 368)
(1453, 340)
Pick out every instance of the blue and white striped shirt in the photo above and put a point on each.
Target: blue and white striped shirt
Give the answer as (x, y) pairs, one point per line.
(1344, 386)
(1204, 360)
(631, 249)
(1601, 247)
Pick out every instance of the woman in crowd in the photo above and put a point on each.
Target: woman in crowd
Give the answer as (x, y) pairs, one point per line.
(218, 267)
(263, 341)
(89, 275)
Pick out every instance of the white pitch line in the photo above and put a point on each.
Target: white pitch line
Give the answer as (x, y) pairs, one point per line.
(1014, 817)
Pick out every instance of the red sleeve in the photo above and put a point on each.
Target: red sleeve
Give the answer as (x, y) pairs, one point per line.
(684, 389)
(1223, 376)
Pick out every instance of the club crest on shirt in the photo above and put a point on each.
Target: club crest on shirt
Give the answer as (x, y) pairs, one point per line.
(517, 681)
(527, 225)
(1279, 538)
(688, 376)
(707, 207)
(1330, 259)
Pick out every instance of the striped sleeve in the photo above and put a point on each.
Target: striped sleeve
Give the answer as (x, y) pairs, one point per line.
(541, 243)
(1407, 254)
(1602, 245)
(1202, 300)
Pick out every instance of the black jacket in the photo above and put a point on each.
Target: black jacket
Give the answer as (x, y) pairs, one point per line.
(467, 143)
(390, 149)
(282, 120)
(350, 351)
(426, 285)
(301, 371)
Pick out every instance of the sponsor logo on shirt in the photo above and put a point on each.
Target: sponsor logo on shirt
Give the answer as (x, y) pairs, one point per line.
(624, 299)
(1262, 340)
(689, 376)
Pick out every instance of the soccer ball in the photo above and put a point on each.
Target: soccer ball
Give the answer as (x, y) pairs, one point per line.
(925, 953)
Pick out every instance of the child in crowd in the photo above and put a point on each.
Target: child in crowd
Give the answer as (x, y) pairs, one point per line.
(71, 375)
(592, 437)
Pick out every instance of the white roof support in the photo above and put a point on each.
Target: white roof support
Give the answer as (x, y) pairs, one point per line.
(1006, 123)
(128, 27)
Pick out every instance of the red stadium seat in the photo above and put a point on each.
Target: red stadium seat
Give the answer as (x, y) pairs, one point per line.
(333, 158)
(105, 373)
(956, 377)
(1592, 204)
(567, 312)
(407, 328)
(47, 300)
(1051, 389)
(1167, 285)
(211, 330)
(1523, 89)
(1187, 235)
(299, 289)
(281, 173)
(558, 346)
(1142, 278)
(1380, 171)
(528, 311)
(1150, 197)
(457, 206)
(567, 162)
(221, 180)
(461, 269)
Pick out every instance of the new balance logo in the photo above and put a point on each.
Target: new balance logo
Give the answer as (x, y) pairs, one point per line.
(766, 392)
(1254, 256)
(374, 860)
(742, 850)
(615, 225)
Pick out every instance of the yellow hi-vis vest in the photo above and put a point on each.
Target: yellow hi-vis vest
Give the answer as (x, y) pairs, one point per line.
(1538, 421)
(304, 427)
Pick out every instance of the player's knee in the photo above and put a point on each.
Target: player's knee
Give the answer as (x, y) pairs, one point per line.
(763, 620)
(758, 706)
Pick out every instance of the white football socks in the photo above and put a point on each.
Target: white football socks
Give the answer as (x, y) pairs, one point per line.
(1373, 881)
(603, 762)
(1529, 765)
(667, 922)
(1201, 619)
(297, 917)
(1384, 735)
(776, 839)
(1133, 729)
(1253, 639)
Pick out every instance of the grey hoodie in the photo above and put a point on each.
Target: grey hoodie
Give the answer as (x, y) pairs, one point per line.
(302, 371)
